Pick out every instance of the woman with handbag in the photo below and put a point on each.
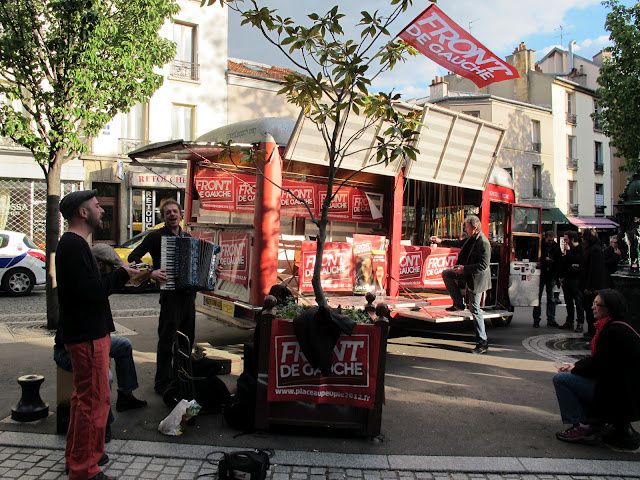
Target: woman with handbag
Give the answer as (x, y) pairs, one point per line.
(600, 395)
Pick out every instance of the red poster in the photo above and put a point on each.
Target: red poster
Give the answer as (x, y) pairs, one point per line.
(340, 205)
(442, 40)
(292, 205)
(336, 274)
(422, 267)
(354, 369)
(234, 257)
(370, 264)
(245, 190)
(215, 189)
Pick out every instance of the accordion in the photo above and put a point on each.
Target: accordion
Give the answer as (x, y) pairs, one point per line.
(190, 263)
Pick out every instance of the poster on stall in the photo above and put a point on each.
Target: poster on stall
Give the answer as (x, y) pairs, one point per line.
(370, 264)
(234, 255)
(337, 272)
(353, 376)
(422, 266)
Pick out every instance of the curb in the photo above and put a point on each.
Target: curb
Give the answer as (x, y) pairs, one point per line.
(457, 464)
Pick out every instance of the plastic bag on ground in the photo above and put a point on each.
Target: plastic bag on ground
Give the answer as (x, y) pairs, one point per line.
(174, 423)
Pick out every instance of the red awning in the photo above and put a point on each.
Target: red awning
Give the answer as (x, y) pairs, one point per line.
(592, 222)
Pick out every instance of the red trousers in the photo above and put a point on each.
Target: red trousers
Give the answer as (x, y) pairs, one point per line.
(90, 403)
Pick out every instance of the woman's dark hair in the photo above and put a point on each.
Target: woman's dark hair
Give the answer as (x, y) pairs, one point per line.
(615, 303)
(572, 236)
(590, 238)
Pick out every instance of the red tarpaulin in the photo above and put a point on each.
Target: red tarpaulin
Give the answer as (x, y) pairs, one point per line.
(234, 255)
(336, 274)
(441, 39)
(422, 267)
(354, 369)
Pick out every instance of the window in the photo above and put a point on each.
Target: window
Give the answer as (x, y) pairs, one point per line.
(473, 113)
(572, 160)
(537, 181)
(599, 194)
(596, 122)
(509, 170)
(182, 122)
(134, 131)
(535, 136)
(185, 65)
(573, 198)
(571, 108)
(598, 160)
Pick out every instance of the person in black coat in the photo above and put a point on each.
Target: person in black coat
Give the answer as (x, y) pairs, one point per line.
(612, 256)
(549, 276)
(603, 390)
(472, 268)
(571, 281)
(592, 276)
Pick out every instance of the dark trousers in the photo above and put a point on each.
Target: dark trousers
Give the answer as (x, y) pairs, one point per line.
(588, 313)
(546, 282)
(177, 312)
(573, 299)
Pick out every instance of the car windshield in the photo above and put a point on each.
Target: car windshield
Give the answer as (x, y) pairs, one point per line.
(28, 242)
(135, 241)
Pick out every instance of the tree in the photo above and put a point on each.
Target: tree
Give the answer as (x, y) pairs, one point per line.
(333, 83)
(71, 66)
(619, 90)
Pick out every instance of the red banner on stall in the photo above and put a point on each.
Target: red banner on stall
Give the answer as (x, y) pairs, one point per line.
(422, 267)
(337, 272)
(234, 262)
(445, 42)
(370, 264)
(224, 191)
(354, 369)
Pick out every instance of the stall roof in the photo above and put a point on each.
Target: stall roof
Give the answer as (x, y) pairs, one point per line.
(592, 222)
(455, 149)
(553, 215)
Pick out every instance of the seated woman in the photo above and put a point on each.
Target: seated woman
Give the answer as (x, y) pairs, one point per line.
(603, 390)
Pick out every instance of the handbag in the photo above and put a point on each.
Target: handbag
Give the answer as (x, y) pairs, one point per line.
(244, 465)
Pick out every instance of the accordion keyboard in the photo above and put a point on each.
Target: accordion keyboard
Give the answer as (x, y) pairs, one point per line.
(190, 263)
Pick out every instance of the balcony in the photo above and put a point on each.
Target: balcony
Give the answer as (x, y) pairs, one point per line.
(597, 125)
(126, 145)
(573, 209)
(571, 118)
(600, 210)
(598, 167)
(572, 163)
(185, 70)
(536, 147)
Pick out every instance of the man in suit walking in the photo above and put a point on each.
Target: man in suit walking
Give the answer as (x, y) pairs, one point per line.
(472, 268)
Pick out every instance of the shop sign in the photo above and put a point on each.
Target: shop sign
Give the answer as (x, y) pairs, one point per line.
(336, 274)
(236, 192)
(148, 209)
(168, 180)
(233, 264)
(354, 369)
(422, 266)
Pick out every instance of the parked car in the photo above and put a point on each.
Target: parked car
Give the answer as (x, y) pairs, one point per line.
(123, 252)
(22, 263)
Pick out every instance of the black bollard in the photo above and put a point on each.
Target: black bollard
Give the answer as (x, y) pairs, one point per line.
(30, 407)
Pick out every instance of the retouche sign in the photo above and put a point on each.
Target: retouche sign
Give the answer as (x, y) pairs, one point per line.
(164, 180)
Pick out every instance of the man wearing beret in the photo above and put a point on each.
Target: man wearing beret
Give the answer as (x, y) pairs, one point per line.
(86, 324)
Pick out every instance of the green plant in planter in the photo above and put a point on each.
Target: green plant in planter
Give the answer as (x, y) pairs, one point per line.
(292, 310)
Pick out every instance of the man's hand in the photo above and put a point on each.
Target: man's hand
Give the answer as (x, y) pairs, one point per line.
(458, 268)
(436, 240)
(159, 275)
(131, 271)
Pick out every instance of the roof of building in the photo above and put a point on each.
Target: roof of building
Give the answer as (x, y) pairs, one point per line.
(471, 96)
(262, 71)
(555, 50)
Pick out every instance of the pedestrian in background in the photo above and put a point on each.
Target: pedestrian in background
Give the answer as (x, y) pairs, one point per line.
(612, 256)
(549, 277)
(592, 276)
(86, 323)
(571, 281)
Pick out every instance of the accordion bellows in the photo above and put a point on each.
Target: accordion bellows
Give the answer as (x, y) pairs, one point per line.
(190, 263)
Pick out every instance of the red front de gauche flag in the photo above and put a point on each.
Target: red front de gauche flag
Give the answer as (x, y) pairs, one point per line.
(441, 39)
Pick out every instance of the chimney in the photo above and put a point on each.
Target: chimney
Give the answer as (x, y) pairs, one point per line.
(572, 45)
(438, 89)
(599, 57)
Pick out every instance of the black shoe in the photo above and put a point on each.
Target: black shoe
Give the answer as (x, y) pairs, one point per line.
(126, 401)
(536, 324)
(566, 326)
(454, 308)
(104, 459)
(481, 348)
(552, 324)
(622, 437)
(107, 435)
(587, 336)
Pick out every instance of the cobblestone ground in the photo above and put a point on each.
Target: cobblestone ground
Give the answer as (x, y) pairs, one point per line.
(27, 464)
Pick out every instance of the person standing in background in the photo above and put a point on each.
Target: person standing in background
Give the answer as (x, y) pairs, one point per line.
(592, 276)
(571, 281)
(612, 256)
(549, 276)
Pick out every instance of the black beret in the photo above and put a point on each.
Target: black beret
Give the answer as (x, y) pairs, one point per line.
(70, 203)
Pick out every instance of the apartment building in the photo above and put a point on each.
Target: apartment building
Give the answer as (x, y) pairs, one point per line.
(191, 101)
(576, 170)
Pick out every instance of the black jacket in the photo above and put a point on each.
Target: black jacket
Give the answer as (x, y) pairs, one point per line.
(83, 293)
(614, 367)
(551, 264)
(475, 256)
(592, 269)
(571, 263)
(151, 244)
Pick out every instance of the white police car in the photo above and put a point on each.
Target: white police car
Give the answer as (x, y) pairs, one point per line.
(22, 264)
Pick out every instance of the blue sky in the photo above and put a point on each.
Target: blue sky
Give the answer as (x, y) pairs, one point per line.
(500, 24)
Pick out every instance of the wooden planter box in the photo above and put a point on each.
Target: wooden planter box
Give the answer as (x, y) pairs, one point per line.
(335, 413)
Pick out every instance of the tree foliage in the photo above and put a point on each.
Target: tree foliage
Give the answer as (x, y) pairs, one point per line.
(333, 81)
(619, 91)
(66, 68)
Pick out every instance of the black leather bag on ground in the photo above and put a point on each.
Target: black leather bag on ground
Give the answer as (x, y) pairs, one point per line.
(244, 465)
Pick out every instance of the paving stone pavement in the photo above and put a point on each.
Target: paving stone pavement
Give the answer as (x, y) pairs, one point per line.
(40, 456)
